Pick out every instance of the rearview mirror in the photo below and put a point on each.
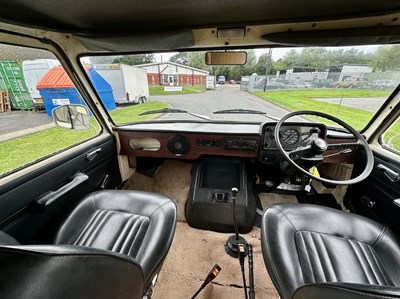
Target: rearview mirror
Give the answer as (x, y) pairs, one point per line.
(74, 117)
(226, 58)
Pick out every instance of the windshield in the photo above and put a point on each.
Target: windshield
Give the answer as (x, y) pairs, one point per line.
(350, 83)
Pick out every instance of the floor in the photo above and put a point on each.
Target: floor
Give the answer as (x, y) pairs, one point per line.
(194, 252)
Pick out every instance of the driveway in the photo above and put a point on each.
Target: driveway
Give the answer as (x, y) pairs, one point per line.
(223, 97)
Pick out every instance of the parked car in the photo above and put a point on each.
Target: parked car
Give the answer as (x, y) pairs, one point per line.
(297, 84)
(322, 83)
(383, 84)
(281, 194)
(351, 83)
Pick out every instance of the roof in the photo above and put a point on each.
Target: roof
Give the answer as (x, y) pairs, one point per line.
(107, 16)
(57, 78)
(172, 63)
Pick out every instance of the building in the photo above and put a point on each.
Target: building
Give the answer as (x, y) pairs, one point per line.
(346, 72)
(171, 73)
(302, 74)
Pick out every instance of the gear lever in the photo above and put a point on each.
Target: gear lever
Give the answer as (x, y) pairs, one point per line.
(233, 242)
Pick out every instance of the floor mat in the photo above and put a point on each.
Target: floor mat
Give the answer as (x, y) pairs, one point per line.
(327, 200)
(192, 255)
(269, 199)
(172, 179)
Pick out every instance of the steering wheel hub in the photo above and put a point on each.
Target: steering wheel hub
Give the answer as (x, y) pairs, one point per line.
(319, 145)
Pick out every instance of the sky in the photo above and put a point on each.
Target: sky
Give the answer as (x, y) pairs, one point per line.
(277, 53)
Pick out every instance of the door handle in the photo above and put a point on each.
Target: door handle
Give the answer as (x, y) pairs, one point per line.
(391, 174)
(93, 154)
(50, 197)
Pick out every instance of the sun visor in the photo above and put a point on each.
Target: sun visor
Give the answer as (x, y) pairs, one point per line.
(336, 37)
(143, 42)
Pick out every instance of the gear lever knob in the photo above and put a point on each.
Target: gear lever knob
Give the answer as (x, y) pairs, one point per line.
(234, 192)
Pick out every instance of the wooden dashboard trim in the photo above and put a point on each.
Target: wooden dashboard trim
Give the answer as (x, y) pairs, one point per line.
(347, 158)
(195, 151)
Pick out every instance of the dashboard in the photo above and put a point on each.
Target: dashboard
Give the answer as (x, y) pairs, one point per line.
(189, 140)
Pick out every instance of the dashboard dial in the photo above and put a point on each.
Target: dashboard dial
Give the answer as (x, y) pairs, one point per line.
(290, 136)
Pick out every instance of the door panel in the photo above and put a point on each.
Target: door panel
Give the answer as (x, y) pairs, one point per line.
(29, 222)
(375, 196)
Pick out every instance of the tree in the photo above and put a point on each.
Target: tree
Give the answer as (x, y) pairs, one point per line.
(181, 57)
(387, 58)
(103, 59)
(322, 58)
(135, 59)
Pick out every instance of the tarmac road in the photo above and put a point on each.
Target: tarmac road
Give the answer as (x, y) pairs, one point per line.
(223, 97)
(18, 123)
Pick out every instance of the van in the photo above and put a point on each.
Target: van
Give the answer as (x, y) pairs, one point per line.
(34, 70)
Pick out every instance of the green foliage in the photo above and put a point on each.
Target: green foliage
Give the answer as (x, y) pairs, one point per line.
(387, 58)
(181, 58)
(135, 59)
(322, 58)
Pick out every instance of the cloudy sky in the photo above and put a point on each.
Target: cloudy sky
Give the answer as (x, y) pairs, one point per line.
(277, 53)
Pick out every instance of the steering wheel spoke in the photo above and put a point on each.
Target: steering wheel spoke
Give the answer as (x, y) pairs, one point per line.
(300, 152)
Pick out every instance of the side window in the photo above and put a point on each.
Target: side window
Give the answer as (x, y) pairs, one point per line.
(391, 138)
(32, 83)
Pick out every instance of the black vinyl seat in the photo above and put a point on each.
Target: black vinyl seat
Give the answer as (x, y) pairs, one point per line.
(111, 246)
(317, 252)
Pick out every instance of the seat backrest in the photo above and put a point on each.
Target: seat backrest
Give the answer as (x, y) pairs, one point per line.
(345, 290)
(68, 272)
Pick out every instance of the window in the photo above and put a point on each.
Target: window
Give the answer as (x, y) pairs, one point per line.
(391, 138)
(170, 79)
(28, 93)
(350, 83)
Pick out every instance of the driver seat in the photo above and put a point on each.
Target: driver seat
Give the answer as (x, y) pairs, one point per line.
(312, 252)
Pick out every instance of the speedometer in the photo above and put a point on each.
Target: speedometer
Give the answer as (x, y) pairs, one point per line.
(290, 136)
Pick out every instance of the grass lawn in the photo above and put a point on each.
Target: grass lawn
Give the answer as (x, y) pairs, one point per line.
(23, 150)
(303, 100)
(159, 90)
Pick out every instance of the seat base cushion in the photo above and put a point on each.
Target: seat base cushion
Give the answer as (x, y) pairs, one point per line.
(306, 244)
(138, 224)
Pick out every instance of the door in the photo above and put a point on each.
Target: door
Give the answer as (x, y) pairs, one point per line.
(47, 170)
(378, 197)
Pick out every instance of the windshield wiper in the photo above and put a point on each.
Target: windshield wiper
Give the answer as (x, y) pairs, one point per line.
(174, 110)
(244, 111)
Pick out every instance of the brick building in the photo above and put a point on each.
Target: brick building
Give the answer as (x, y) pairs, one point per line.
(171, 73)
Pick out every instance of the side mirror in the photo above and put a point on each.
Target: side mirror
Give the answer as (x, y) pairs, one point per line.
(74, 117)
(226, 58)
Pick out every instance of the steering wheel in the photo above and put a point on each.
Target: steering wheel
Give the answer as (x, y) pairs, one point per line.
(318, 146)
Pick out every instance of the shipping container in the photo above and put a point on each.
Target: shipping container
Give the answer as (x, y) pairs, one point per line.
(12, 80)
(129, 83)
(34, 70)
(56, 89)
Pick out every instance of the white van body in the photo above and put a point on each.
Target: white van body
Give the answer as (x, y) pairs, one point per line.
(129, 83)
(34, 70)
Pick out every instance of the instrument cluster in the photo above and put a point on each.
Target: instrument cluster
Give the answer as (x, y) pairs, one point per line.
(292, 135)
